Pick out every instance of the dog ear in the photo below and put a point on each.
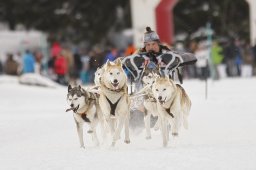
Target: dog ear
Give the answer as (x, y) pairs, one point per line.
(118, 62)
(157, 79)
(158, 67)
(79, 87)
(69, 88)
(167, 77)
(83, 90)
(108, 63)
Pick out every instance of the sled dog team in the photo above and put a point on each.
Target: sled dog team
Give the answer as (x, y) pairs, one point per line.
(107, 104)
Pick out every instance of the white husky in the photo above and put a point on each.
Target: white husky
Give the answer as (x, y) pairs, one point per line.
(173, 105)
(114, 100)
(148, 77)
(97, 76)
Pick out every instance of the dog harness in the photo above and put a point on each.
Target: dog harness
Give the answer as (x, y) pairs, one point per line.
(113, 105)
(168, 110)
(84, 115)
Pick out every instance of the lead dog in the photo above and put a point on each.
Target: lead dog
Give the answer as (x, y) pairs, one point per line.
(114, 100)
(83, 105)
(173, 105)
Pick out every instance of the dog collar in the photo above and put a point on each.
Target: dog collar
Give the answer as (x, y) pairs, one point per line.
(117, 90)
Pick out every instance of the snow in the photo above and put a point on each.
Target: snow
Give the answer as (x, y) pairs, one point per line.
(37, 133)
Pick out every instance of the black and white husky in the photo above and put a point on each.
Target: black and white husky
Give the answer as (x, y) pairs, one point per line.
(83, 105)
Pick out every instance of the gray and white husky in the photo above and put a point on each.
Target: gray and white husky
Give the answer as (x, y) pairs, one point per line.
(148, 78)
(83, 105)
(114, 100)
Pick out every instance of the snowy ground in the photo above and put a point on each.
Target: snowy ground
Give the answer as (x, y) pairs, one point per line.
(37, 133)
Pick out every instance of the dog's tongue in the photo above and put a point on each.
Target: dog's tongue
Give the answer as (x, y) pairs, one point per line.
(161, 102)
(73, 109)
(69, 109)
(115, 85)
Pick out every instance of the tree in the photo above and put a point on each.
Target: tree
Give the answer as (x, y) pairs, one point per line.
(75, 20)
(227, 17)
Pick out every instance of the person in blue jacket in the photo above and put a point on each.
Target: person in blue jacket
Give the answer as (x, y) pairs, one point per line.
(28, 62)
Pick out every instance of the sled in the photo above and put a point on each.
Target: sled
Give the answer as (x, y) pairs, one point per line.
(134, 64)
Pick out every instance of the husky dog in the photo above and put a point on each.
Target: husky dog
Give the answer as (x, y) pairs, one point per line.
(148, 77)
(83, 105)
(114, 100)
(97, 76)
(173, 105)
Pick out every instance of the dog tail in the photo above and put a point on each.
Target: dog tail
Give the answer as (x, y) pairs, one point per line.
(185, 121)
(185, 101)
(185, 106)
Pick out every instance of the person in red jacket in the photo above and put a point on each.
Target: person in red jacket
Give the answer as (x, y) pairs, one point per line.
(61, 68)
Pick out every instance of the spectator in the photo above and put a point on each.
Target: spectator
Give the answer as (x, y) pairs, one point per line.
(60, 68)
(202, 55)
(130, 50)
(11, 66)
(217, 58)
(28, 62)
(254, 58)
(1, 68)
(96, 60)
(247, 66)
(78, 65)
(70, 60)
(38, 63)
(85, 77)
(18, 58)
(233, 58)
(111, 55)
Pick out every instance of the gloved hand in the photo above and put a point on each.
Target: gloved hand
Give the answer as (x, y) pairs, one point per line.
(152, 55)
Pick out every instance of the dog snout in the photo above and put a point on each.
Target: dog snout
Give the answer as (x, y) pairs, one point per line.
(72, 105)
(160, 98)
(115, 81)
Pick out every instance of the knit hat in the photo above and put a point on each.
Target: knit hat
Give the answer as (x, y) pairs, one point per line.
(150, 35)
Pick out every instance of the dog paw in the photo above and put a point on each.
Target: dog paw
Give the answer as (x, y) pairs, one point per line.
(116, 137)
(164, 144)
(113, 144)
(127, 141)
(156, 128)
(175, 134)
(97, 144)
(148, 137)
(90, 131)
(82, 147)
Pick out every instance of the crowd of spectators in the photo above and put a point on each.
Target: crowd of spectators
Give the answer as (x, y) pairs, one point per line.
(234, 58)
(221, 59)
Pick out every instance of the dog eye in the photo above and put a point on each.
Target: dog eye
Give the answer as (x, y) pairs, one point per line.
(164, 89)
(156, 89)
(150, 77)
(111, 73)
(98, 74)
(117, 73)
(75, 98)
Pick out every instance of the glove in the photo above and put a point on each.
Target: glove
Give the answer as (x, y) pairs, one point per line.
(152, 55)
